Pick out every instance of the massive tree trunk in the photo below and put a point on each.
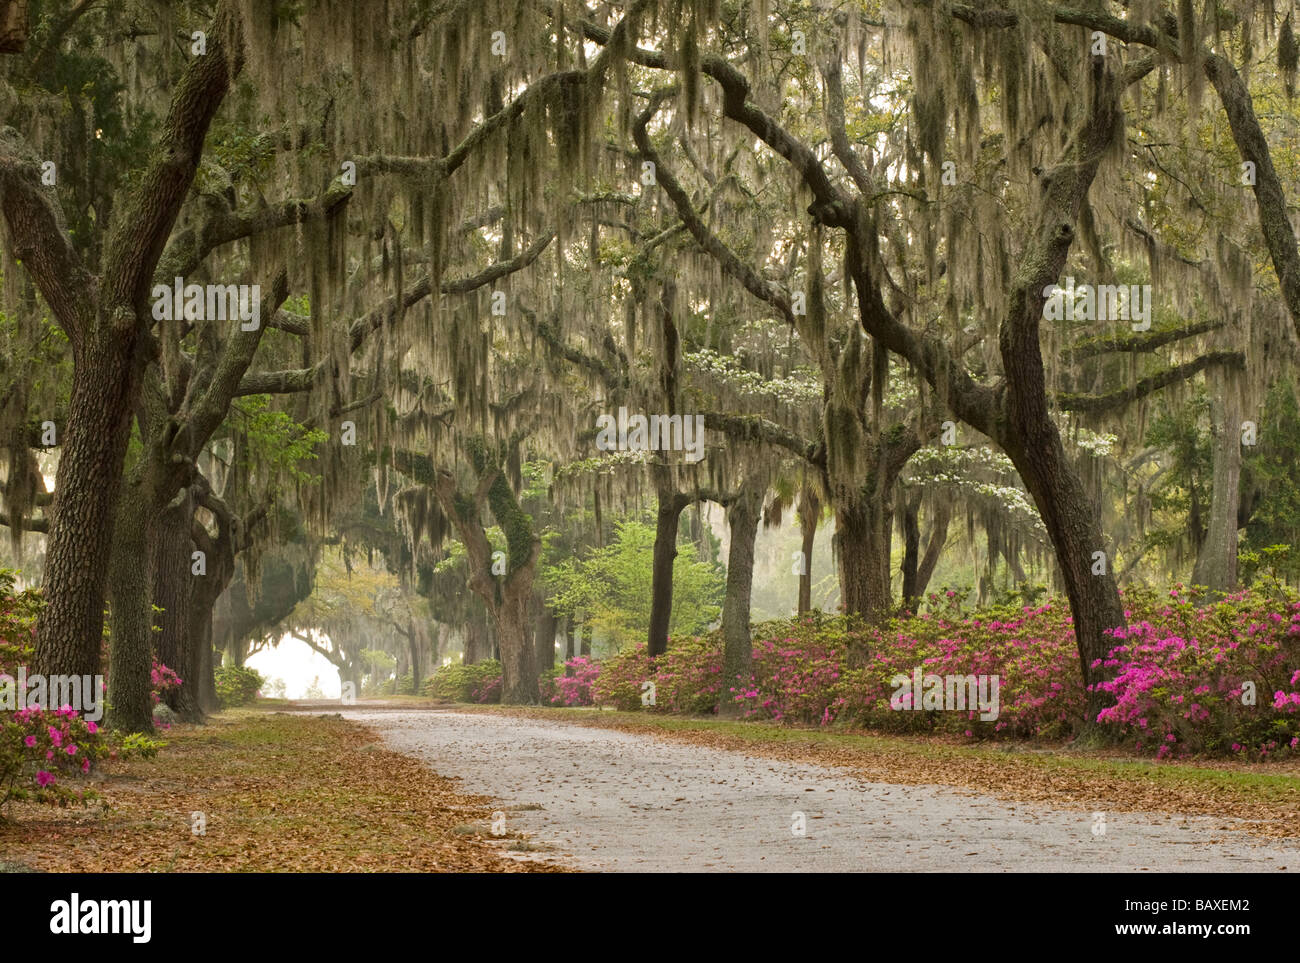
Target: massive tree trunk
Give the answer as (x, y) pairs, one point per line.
(1029, 434)
(1016, 414)
(737, 652)
(172, 579)
(1216, 562)
(864, 517)
(862, 538)
(518, 657)
(130, 625)
(105, 385)
(99, 317)
(507, 596)
(1072, 524)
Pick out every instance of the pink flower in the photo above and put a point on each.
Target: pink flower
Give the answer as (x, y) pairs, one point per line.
(30, 742)
(92, 728)
(43, 779)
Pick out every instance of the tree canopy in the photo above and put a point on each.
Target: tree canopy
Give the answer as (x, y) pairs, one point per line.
(437, 326)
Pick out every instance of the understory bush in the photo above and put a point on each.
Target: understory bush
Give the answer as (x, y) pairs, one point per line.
(237, 685)
(163, 681)
(548, 687)
(1221, 678)
(43, 749)
(480, 682)
(574, 687)
(1187, 675)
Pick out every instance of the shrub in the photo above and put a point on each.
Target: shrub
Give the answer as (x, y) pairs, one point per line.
(138, 746)
(18, 611)
(480, 682)
(44, 750)
(237, 685)
(687, 678)
(487, 692)
(1222, 678)
(619, 683)
(163, 681)
(1179, 672)
(547, 688)
(798, 668)
(574, 688)
(40, 747)
(1030, 649)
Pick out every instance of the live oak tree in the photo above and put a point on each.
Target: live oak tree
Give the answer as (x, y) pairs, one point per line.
(830, 230)
(102, 310)
(1057, 123)
(103, 307)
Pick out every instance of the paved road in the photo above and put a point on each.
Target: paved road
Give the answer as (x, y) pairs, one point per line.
(600, 799)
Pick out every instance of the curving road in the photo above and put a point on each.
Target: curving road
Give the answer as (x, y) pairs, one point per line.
(606, 800)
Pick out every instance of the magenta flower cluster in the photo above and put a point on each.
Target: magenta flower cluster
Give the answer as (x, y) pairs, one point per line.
(574, 688)
(39, 747)
(1185, 676)
(162, 681)
(1217, 678)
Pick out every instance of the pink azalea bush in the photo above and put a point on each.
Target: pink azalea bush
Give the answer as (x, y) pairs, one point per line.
(799, 672)
(1030, 649)
(687, 678)
(1221, 678)
(487, 691)
(40, 748)
(1177, 673)
(618, 685)
(480, 682)
(163, 681)
(575, 687)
